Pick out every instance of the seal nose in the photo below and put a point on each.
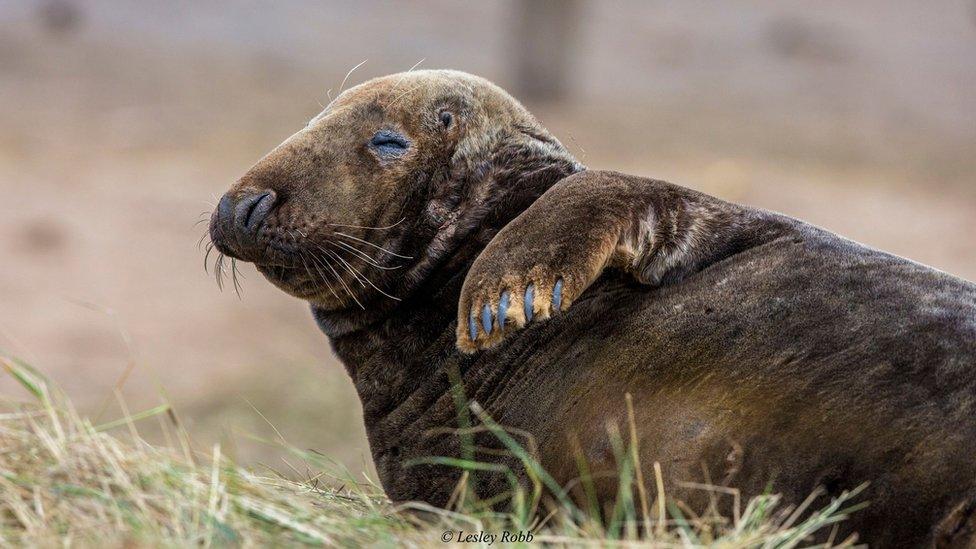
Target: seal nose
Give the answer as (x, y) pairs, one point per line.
(238, 218)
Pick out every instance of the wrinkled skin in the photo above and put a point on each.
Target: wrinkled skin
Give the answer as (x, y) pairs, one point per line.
(760, 352)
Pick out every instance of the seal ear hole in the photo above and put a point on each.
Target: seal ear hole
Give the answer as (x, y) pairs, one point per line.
(447, 119)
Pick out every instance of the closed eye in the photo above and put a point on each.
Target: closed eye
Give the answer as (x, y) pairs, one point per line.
(389, 143)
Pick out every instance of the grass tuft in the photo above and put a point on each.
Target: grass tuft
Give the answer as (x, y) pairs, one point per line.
(65, 481)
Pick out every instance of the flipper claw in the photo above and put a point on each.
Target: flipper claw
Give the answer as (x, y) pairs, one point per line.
(503, 309)
(557, 295)
(486, 318)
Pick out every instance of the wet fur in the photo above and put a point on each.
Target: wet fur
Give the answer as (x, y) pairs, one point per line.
(765, 351)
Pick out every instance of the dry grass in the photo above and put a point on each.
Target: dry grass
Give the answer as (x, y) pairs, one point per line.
(67, 482)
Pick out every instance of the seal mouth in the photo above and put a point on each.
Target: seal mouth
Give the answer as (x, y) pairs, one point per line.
(268, 257)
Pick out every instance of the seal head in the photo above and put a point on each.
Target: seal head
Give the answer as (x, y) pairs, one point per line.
(358, 207)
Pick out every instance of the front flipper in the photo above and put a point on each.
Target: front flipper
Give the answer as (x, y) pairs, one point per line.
(541, 262)
(536, 266)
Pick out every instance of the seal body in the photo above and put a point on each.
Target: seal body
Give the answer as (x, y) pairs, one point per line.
(806, 361)
(454, 252)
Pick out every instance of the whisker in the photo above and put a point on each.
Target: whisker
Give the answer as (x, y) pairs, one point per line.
(341, 281)
(417, 64)
(219, 271)
(361, 254)
(375, 287)
(381, 248)
(308, 272)
(302, 255)
(315, 263)
(336, 256)
(343, 84)
(234, 272)
(368, 228)
(206, 258)
(349, 268)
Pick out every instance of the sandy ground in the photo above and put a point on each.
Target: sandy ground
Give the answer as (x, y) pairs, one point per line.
(116, 138)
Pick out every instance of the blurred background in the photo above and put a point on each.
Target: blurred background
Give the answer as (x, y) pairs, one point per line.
(121, 121)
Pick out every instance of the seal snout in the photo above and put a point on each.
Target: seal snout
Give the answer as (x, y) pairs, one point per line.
(237, 222)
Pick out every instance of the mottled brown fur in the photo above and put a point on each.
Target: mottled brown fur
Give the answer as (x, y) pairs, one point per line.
(760, 352)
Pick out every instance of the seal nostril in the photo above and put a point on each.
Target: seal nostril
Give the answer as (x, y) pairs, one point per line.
(260, 210)
(252, 210)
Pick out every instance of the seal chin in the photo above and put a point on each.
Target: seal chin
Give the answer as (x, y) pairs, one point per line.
(301, 282)
(293, 280)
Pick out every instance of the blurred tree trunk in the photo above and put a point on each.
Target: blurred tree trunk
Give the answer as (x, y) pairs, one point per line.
(543, 47)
